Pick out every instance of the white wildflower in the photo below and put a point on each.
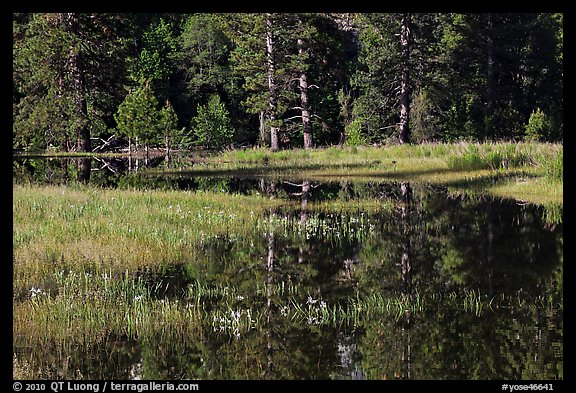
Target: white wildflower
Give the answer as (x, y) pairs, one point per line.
(35, 292)
(235, 315)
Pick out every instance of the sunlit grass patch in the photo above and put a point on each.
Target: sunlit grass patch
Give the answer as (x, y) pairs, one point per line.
(534, 190)
(495, 156)
(88, 307)
(92, 229)
(553, 167)
(435, 163)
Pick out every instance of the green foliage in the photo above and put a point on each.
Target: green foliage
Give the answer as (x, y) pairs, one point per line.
(554, 167)
(539, 126)
(248, 57)
(379, 57)
(211, 126)
(40, 105)
(168, 118)
(204, 60)
(155, 59)
(353, 134)
(45, 93)
(168, 123)
(138, 117)
(204, 52)
(472, 76)
(424, 122)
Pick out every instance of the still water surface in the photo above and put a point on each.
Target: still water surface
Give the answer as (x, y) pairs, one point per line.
(481, 279)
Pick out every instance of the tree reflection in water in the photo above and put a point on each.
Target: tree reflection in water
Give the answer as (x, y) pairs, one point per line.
(429, 246)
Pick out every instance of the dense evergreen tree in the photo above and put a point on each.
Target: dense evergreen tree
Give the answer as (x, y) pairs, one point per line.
(212, 127)
(250, 60)
(205, 66)
(169, 125)
(320, 65)
(396, 61)
(156, 60)
(204, 57)
(292, 80)
(138, 117)
(501, 68)
(68, 70)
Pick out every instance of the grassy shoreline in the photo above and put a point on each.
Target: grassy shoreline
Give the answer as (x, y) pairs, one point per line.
(526, 171)
(529, 172)
(88, 264)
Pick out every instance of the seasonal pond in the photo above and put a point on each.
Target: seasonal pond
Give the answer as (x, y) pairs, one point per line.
(277, 278)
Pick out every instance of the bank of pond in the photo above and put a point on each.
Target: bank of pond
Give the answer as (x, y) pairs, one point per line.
(174, 273)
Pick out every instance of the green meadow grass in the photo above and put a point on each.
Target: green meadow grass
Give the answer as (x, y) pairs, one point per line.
(94, 230)
(80, 253)
(86, 309)
(526, 171)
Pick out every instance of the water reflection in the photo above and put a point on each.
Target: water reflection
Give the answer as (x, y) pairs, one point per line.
(315, 278)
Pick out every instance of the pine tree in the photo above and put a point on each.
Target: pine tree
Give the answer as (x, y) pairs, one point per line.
(68, 70)
(168, 123)
(260, 57)
(384, 79)
(211, 126)
(203, 56)
(501, 67)
(138, 118)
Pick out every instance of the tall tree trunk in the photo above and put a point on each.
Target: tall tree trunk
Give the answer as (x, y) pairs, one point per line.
(405, 84)
(269, 293)
(489, 77)
(78, 86)
(490, 247)
(305, 196)
(308, 144)
(272, 88)
(263, 137)
(85, 168)
(406, 195)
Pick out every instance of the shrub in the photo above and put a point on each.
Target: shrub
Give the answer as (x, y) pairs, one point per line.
(211, 126)
(354, 135)
(539, 127)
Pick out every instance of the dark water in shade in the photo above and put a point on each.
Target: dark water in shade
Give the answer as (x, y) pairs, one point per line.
(429, 245)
